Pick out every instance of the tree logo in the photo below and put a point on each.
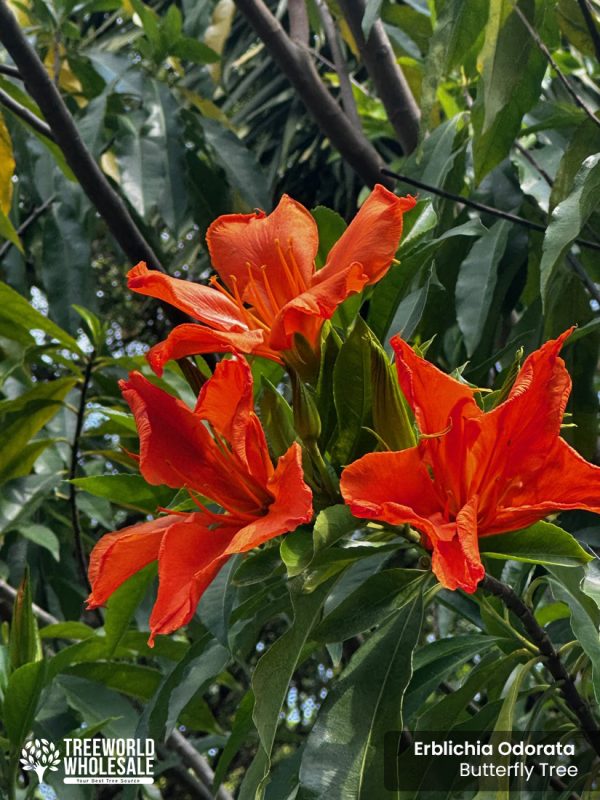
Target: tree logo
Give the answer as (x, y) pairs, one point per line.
(38, 755)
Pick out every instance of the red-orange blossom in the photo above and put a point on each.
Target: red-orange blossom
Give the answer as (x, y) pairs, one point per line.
(474, 473)
(218, 451)
(268, 289)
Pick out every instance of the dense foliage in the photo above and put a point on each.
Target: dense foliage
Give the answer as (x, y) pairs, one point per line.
(305, 651)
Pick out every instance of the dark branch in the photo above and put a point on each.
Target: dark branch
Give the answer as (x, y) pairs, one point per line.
(555, 666)
(340, 65)
(77, 534)
(591, 25)
(561, 76)
(192, 758)
(388, 79)
(9, 595)
(299, 24)
(90, 176)
(25, 114)
(481, 206)
(295, 63)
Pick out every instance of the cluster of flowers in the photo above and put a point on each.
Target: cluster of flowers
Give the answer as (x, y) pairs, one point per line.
(470, 474)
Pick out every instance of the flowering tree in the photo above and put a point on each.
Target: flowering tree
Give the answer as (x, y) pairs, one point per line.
(297, 469)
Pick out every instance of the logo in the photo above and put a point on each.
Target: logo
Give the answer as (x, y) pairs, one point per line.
(93, 761)
(38, 755)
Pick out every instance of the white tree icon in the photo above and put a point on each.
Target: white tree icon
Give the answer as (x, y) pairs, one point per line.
(39, 755)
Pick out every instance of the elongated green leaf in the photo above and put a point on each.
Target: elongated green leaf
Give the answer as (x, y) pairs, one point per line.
(512, 68)
(585, 616)
(541, 543)
(379, 597)
(242, 724)
(275, 669)
(568, 219)
(371, 14)
(42, 536)
(18, 318)
(21, 701)
(130, 679)
(129, 491)
(23, 417)
(476, 283)
(122, 604)
(352, 391)
(343, 756)
(24, 644)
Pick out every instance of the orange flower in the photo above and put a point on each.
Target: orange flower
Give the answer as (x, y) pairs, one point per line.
(218, 451)
(475, 473)
(268, 290)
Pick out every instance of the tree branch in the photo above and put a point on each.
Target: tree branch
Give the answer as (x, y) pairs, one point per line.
(339, 61)
(542, 47)
(552, 659)
(9, 595)
(12, 72)
(26, 115)
(77, 535)
(297, 66)
(591, 25)
(389, 81)
(299, 24)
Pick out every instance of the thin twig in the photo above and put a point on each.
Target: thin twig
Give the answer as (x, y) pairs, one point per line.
(583, 276)
(192, 758)
(26, 115)
(12, 72)
(555, 666)
(9, 595)
(561, 76)
(339, 63)
(23, 227)
(77, 534)
(465, 201)
(591, 25)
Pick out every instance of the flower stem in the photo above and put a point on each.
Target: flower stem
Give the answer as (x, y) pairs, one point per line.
(551, 657)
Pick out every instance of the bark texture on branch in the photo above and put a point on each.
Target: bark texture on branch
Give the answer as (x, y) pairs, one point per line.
(296, 64)
(389, 81)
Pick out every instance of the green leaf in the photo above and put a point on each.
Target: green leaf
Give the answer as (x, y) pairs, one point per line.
(331, 524)
(205, 659)
(476, 283)
(541, 543)
(123, 603)
(274, 671)
(352, 391)
(42, 536)
(192, 50)
(242, 169)
(277, 418)
(67, 630)
(585, 617)
(242, 725)
(18, 318)
(21, 700)
(331, 226)
(378, 598)
(296, 550)
(567, 221)
(372, 11)
(23, 417)
(130, 679)
(24, 645)
(512, 68)
(343, 756)
(128, 491)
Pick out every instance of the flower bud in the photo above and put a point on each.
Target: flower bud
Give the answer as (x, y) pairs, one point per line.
(391, 419)
(307, 421)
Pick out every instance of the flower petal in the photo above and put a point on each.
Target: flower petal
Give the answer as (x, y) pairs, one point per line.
(191, 554)
(292, 504)
(201, 302)
(189, 339)
(119, 555)
(371, 239)
(305, 313)
(236, 241)
(456, 562)
(177, 449)
(227, 402)
(394, 487)
(431, 393)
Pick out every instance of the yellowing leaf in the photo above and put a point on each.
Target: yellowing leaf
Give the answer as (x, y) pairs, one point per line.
(67, 80)
(108, 162)
(7, 167)
(218, 31)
